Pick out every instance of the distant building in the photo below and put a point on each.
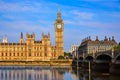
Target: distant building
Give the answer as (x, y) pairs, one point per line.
(89, 46)
(73, 50)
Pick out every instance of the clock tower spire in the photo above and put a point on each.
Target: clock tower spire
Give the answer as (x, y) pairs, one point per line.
(59, 34)
(59, 15)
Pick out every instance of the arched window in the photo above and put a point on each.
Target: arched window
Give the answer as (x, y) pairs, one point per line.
(13, 54)
(37, 54)
(21, 54)
(17, 54)
(40, 54)
(21, 48)
(6, 54)
(29, 54)
(10, 54)
(2, 54)
(45, 54)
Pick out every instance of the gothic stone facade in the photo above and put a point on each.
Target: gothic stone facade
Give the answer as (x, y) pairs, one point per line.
(32, 50)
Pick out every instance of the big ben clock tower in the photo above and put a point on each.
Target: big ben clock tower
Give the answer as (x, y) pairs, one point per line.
(59, 32)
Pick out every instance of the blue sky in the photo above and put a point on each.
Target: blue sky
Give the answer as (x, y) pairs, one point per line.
(81, 18)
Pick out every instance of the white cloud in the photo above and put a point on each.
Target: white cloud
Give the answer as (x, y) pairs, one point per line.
(70, 22)
(114, 14)
(82, 15)
(93, 24)
(24, 26)
(17, 7)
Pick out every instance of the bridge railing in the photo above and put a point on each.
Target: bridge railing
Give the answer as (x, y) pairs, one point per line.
(108, 52)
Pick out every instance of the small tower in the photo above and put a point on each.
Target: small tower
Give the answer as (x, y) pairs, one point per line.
(105, 39)
(42, 35)
(109, 39)
(21, 38)
(97, 38)
(113, 38)
(30, 38)
(49, 35)
(89, 38)
(33, 35)
(5, 39)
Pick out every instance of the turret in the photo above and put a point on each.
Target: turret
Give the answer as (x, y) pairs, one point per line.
(33, 35)
(97, 38)
(21, 38)
(109, 39)
(105, 39)
(27, 35)
(5, 40)
(113, 38)
(49, 35)
(89, 38)
(30, 38)
(42, 35)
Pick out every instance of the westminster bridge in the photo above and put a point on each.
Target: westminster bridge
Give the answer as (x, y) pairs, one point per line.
(100, 61)
(102, 57)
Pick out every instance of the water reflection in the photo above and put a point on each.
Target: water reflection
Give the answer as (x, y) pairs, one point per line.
(32, 73)
(86, 75)
(50, 73)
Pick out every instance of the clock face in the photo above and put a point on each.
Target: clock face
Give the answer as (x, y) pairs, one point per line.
(59, 26)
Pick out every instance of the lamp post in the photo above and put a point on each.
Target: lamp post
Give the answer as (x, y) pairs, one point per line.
(83, 55)
(112, 55)
(77, 57)
(89, 71)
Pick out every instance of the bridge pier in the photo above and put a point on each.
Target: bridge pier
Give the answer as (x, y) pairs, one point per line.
(100, 67)
(115, 66)
(115, 69)
(104, 62)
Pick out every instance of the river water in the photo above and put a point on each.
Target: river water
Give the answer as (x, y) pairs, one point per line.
(51, 73)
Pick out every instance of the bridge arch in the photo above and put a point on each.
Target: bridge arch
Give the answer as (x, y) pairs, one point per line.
(81, 58)
(103, 58)
(109, 54)
(89, 58)
(117, 59)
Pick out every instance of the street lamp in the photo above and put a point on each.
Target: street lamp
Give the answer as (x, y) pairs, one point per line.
(112, 55)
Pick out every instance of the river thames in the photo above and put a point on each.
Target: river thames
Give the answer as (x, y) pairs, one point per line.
(51, 73)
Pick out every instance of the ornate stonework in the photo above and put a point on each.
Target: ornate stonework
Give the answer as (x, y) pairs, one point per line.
(32, 50)
(89, 46)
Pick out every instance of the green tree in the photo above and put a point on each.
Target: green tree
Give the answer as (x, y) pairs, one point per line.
(61, 57)
(66, 54)
(117, 47)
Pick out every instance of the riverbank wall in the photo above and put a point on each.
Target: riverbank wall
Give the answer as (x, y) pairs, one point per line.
(53, 62)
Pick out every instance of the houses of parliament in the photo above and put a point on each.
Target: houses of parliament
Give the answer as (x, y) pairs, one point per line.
(32, 50)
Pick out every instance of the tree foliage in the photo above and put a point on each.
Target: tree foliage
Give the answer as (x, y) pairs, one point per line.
(117, 47)
(61, 57)
(66, 54)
